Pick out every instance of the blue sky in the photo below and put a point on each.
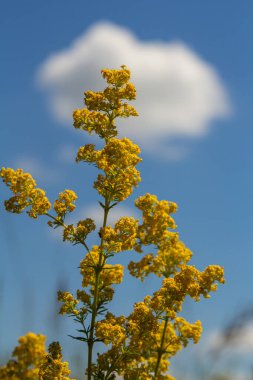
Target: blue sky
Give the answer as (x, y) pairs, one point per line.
(192, 65)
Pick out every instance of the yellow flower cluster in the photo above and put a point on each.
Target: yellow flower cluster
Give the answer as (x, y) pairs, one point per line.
(122, 237)
(65, 202)
(83, 297)
(188, 330)
(137, 342)
(110, 100)
(143, 343)
(156, 218)
(171, 255)
(88, 265)
(93, 121)
(155, 230)
(140, 325)
(118, 89)
(69, 303)
(31, 361)
(117, 159)
(167, 340)
(25, 193)
(188, 281)
(118, 154)
(27, 358)
(110, 330)
(52, 367)
(104, 107)
(109, 274)
(117, 77)
(80, 232)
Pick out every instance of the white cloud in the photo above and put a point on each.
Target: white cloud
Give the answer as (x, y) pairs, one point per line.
(179, 94)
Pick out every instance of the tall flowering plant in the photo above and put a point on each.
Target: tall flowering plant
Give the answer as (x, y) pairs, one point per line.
(138, 346)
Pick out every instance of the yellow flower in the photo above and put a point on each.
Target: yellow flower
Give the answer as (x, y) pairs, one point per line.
(188, 330)
(65, 202)
(141, 323)
(109, 274)
(104, 106)
(79, 233)
(94, 121)
(118, 160)
(69, 303)
(117, 77)
(188, 281)
(27, 358)
(111, 330)
(171, 255)
(122, 237)
(25, 193)
(52, 367)
(156, 218)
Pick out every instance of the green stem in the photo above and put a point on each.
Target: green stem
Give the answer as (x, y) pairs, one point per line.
(160, 350)
(64, 225)
(96, 295)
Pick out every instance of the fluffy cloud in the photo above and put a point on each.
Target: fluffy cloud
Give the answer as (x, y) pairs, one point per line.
(179, 94)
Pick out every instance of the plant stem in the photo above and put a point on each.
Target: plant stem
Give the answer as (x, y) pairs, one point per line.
(64, 225)
(96, 295)
(160, 351)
